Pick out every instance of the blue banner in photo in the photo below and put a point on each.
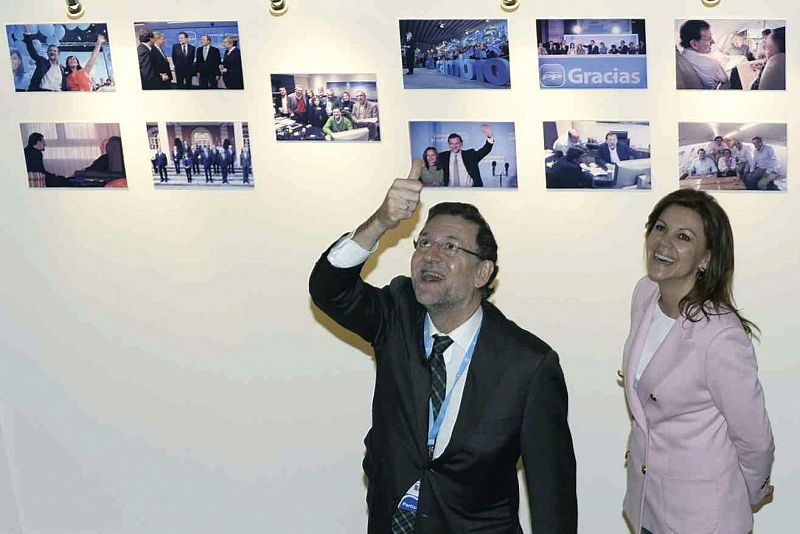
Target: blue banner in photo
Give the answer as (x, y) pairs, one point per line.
(593, 72)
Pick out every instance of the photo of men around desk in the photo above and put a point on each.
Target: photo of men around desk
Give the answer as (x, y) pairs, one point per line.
(200, 155)
(326, 107)
(189, 55)
(455, 54)
(465, 154)
(73, 154)
(60, 57)
(597, 155)
(730, 54)
(732, 156)
(592, 53)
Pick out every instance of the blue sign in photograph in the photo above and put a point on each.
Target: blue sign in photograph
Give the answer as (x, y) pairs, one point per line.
(621, 72)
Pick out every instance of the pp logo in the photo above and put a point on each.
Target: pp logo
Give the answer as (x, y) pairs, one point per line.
(552, 75)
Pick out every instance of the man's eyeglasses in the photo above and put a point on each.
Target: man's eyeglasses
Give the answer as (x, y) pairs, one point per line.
(446, 247)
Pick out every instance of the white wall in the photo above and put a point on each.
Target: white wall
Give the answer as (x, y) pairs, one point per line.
(161, 366)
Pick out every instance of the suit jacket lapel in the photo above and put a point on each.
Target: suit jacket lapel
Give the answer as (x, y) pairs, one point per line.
(669, 355)
(420, 378)
(485, 371)
(635, 356)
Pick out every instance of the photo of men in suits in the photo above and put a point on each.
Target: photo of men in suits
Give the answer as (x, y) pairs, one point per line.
(147, 71)
(461, 166)
(183, 60)
(461, 392)
(207, 63)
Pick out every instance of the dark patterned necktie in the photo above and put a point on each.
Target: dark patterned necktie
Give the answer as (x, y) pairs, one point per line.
(402, 520)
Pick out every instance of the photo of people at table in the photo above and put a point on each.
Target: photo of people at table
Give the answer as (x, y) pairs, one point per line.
(465, 154)
(592, 53)
(200, 155)
(730, 54)
(326, 107)
(73, 154)
(455, 54)
(597, 155)
(60, 57)
(732, 156)
(189, 55)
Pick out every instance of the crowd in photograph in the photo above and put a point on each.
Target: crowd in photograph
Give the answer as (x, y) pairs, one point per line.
(215, 160)
(591, 48)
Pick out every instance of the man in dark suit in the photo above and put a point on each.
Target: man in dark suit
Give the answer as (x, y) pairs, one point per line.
(231, 66)
(216, 158)
(206, 63)
(461, 166)
(198, 156)
(461, 392)
(34, 161)
(160, 62)
(567, 172)
(48, 75)
(247, 163)
(183, 60)
(409, 44)
(161, 164)
(149, 76)
(612, 151)
(592, 49)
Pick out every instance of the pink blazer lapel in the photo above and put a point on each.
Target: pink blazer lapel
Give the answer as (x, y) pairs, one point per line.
(640, 329)
(668, 357)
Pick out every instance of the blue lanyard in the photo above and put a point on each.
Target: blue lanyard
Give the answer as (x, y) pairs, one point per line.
(435, 426)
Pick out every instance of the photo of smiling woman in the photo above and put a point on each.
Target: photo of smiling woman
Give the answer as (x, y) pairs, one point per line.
(700, 449)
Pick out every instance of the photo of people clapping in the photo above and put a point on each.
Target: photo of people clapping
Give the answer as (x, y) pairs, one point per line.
(60, 57)
(325, 107)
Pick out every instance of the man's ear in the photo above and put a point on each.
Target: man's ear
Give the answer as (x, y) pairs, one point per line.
(485, 270)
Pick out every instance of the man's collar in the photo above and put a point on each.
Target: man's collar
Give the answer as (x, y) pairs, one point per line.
(463, 334)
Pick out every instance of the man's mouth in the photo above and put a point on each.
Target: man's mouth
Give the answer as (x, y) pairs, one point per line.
(431, 276)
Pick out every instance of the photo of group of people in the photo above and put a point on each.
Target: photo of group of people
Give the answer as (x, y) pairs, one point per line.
(597, 155)
(455, 54)
(465, 154)
(189, 55)
(730, 54)
(60, 57)
(732, 156)
(200, 155)
(592, 53)
(73, 154)
(325, 107)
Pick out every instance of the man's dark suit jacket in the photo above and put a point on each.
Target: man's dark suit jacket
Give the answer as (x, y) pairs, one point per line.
(34, 162)
(208, 68)
(161, 66)
(42, 66)
(471, 159)
(604, 154)
(147, 71)
(233, 62)
(567, 174)
(514, 402)
(184, 65)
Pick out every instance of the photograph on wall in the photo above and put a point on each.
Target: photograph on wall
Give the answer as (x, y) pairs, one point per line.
(597, 155)
(73, 154)
(189, 55)
(200, 154)
(60, 57)
(592, 53)
(325, 107)
(455, 54)
(732, 156)
(465, 154)
(730, 54)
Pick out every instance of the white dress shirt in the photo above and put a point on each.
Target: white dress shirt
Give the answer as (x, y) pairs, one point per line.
(766, 159)
(464, 179)
(52, 78)
(660, 325)
(708, 68)
(614, 155)
(347, 253)
(703, 166)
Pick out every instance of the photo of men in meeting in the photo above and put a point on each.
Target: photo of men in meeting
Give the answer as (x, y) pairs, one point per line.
(465, 154)
(592, 53)
(325, 107)
(200, 155)
(732, 156)
(730, 54)
(455, 54)
(597, 155)
(73, 154)
(60, 57)
(189, 55)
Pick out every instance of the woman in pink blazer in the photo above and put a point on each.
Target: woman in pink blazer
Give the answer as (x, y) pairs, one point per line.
(700, 449)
